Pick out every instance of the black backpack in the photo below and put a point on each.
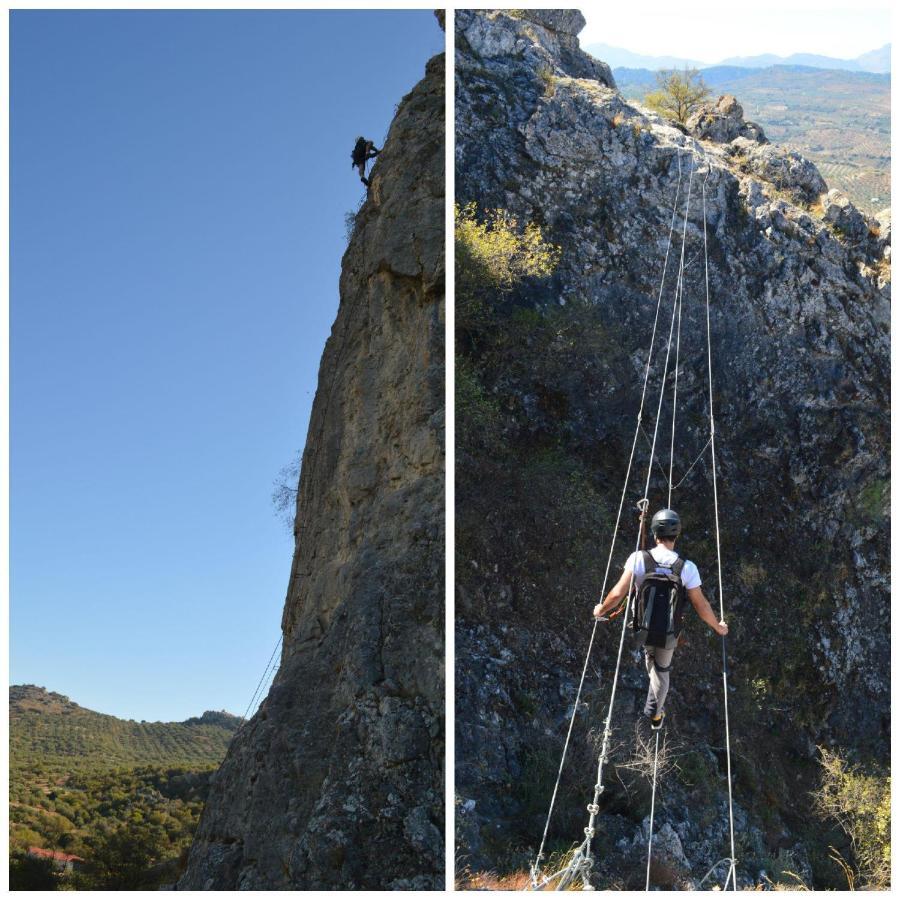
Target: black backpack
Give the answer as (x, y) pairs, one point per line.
(360, 149)
(658, 606)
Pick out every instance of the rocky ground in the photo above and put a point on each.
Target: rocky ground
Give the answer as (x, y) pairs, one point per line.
(337, 781)
(799, 282)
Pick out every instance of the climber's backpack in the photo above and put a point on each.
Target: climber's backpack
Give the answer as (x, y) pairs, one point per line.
(359, 152)
(659, 603)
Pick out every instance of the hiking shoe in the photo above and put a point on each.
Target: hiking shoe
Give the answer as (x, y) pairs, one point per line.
(656, 722)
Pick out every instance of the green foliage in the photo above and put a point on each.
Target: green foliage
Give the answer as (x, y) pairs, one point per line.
(493, 256)
(860, 802)
(696, 771)
(27, 874)
(120, 823)
(125, 796)
(874, 500)
(678, 94)
(479, 420)
(121, 858)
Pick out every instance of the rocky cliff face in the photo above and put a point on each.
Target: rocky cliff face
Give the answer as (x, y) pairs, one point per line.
(336, 782)
(799, 282)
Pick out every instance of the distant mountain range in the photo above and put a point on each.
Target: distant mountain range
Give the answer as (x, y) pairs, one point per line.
(874, 61)
(50, 730)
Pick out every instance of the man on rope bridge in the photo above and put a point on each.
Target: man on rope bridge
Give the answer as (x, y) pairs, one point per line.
(661, 580)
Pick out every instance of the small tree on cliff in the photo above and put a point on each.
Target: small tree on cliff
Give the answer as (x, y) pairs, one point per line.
(284, 491)
(493, 256)
(678, 94)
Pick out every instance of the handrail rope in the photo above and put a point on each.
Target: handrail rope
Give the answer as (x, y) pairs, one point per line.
(652, 811)
(712, 433)
(700, 456)
(536, 866)
(690, 468)
(593, 809)
(675, 393)
(659, 465)
(662, 389)
(261, 680)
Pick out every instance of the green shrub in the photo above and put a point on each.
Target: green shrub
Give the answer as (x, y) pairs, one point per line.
(493, 255)
(860, 802)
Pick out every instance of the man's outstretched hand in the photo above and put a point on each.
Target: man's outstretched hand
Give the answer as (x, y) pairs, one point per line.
(598, 613)
(722, 629)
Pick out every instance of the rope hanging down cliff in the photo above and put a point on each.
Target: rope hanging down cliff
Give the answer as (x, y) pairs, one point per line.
(581, 862)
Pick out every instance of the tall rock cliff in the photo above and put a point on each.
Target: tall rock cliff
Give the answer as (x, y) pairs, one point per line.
(336, 782)
(800, 350)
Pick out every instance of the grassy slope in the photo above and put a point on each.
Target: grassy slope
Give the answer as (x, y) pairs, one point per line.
(49, 730)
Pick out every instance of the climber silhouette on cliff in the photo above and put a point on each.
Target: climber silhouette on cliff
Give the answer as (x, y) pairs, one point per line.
(661, 580)
(363, 151)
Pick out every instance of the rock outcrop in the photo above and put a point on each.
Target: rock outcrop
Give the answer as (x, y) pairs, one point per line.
(723, 121)
(799, 286)
(337, 781)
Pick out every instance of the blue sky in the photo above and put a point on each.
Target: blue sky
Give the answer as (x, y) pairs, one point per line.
(178, 188)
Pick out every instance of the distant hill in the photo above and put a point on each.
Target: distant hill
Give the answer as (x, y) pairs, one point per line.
(50, 730)
(840, 120)
(618, 56)
(873, 61)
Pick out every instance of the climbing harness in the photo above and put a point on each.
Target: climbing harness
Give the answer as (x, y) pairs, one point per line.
(581, 862)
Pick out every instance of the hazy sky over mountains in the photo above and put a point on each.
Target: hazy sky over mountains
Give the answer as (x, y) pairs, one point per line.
(707, 34)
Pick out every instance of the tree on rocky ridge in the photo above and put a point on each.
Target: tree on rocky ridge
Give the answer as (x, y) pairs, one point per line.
(678, 94)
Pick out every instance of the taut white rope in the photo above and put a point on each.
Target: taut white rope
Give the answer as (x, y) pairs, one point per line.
(732, 874)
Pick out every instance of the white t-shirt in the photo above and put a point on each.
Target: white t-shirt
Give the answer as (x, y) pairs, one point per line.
(690, 577)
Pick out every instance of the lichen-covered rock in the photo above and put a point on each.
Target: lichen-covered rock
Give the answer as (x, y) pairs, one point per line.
(546, 39)
(786, 171)
(723, 121)
(336, 782)
(799, 315)
(841, 214)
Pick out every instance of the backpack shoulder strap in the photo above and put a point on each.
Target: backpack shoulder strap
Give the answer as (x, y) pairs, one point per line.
(649, 562)
(677, 566)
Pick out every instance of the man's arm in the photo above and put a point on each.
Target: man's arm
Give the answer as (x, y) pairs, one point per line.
(704, 610)
(614, 597)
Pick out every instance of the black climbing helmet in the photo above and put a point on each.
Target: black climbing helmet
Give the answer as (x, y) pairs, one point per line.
(665, 524)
